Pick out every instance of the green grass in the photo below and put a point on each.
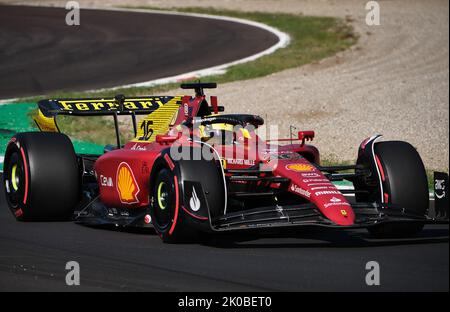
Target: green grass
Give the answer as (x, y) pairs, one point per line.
(91, 129)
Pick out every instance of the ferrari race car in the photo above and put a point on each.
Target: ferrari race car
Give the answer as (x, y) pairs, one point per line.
(191, 169)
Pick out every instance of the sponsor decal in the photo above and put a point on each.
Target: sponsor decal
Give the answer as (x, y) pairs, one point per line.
(300, 167)
(147, 219)
(335, 200)
(441, 194)
(328, 187)
(247, 162)
(344, 212)
(145, 130)
(336, 204)
(320, 193)
(194, 202)
(315, 180)
(106, 181)
(137, 147)
(327, 184)
(439, 187)
(310, 175)
(150, 103)
(299, 190)
(127, 186)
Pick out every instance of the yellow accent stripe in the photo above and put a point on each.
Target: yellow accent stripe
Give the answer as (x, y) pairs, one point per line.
(159, 196)
(160, 121)
(13, 178)
(45, 124)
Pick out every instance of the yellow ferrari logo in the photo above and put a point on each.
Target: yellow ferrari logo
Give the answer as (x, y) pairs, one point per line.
(344, 212)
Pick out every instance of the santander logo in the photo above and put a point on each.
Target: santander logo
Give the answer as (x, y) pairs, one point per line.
(299, 190)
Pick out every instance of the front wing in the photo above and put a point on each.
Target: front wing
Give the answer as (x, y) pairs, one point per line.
(367, 215)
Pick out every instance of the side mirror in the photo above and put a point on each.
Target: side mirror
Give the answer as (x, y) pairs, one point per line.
(305, 136)
(167, 139)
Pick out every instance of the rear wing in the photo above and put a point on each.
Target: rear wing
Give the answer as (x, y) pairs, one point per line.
(160, 110)
(119, 105)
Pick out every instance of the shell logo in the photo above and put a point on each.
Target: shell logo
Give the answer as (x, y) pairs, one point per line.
(300, 167)
(127, 186)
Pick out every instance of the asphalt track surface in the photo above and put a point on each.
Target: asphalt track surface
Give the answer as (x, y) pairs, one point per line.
(39, 53)
(33, 257)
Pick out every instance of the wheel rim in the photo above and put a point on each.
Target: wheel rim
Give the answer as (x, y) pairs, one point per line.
(163, 211)
(15, 178)
(162, 195)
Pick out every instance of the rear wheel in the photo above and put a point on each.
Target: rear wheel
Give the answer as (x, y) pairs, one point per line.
(41, 177)
(404, 185)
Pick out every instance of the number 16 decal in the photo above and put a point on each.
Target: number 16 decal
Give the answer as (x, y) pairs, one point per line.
(147, 131)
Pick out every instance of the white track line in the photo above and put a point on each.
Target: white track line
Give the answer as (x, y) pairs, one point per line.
(283, 40)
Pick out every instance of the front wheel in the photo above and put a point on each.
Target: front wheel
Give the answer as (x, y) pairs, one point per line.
(166, 215)
(404, 183)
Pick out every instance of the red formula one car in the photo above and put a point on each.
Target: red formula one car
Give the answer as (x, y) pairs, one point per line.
(192, 169)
